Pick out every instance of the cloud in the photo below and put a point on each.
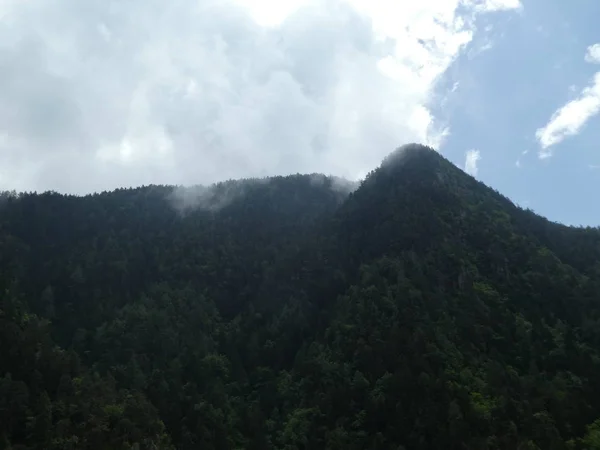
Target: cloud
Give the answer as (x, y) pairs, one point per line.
(519, 162)
(570, 118)
(220, 195)
(210, 198)
(100, 94)
(336, 184)
(498, 5)
(472, 158)
(593, 54)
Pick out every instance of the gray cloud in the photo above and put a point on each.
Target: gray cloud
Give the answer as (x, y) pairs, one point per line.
(210, 198)
(102, 93)
(219, 195)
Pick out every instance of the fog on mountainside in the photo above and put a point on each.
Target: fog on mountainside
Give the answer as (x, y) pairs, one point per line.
(219, 195)
(417, 310)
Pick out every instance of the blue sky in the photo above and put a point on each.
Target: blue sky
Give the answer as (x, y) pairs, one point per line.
(101, 94)
(535, 66)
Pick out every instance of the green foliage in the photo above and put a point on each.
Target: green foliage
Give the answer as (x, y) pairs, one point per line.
(421, 311)
(591, 440)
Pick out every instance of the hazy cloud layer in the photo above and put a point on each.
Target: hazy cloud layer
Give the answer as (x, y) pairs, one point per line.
(102, 93)
(219, 195)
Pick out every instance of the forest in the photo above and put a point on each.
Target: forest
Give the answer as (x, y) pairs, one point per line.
(418, 309)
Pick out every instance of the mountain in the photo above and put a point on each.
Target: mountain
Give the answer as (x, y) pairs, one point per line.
(418, 310)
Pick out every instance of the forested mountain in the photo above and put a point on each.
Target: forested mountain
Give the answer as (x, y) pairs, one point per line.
(419, 310)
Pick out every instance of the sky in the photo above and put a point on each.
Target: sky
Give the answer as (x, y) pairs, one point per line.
(102, 94)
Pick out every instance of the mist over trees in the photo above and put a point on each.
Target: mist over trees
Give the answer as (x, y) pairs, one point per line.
(418, 310)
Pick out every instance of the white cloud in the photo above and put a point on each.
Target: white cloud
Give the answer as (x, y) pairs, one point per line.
(270, 13)
(593, 54)
(472, 158)
(100, 94)
(499, 5)
(570, 118)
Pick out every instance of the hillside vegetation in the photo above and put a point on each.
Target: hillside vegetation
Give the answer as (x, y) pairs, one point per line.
(419, 310)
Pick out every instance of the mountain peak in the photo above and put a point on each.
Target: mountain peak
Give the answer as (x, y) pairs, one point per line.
(408, 152)
(418, 157)
(418, 160)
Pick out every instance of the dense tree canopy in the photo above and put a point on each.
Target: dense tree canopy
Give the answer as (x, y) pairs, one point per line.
(422, 310)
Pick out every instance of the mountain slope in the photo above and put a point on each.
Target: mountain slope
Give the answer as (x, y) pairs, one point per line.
(463, 329)
(137, 286)
(422, 310)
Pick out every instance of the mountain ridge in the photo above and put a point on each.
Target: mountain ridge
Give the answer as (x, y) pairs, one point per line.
(420, 310)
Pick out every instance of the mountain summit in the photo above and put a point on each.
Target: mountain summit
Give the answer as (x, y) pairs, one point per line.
(408, 152)
(422, 310)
